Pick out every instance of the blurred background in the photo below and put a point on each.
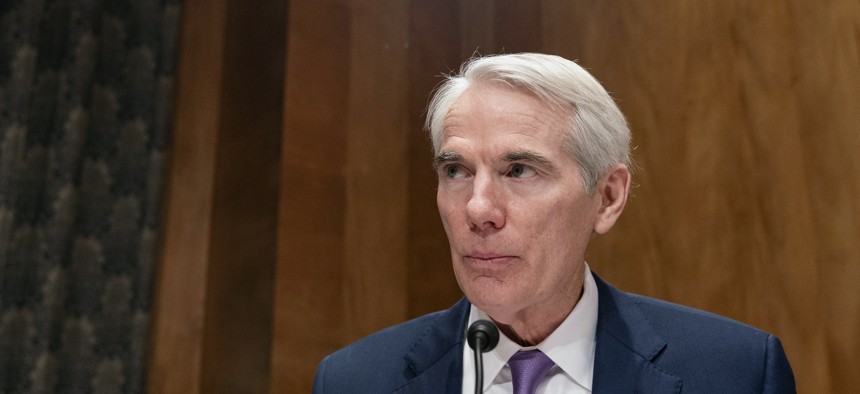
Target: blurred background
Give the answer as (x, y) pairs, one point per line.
(210, 196)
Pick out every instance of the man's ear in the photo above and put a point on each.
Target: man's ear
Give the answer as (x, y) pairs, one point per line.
(613, 189)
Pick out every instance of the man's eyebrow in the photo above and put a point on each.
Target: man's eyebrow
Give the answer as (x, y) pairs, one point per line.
(446, 157)
(528, 157)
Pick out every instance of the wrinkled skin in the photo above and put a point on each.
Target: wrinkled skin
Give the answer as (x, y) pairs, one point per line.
(516, 213)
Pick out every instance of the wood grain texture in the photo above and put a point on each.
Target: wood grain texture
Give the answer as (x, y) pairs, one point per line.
(214, 304)
(242, 248)
(375, 283)
(178, 311)
(309, 288)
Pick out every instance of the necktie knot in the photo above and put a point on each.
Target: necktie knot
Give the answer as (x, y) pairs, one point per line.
(528, 368)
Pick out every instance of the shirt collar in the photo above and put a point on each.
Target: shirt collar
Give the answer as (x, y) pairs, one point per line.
(571, 346)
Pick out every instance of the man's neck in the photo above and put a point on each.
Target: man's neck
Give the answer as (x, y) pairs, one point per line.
(531, 327)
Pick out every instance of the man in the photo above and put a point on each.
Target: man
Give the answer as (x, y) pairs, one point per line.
(532, 160)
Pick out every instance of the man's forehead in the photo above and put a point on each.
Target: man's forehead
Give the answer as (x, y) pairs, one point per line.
(514, 127)
(505, 111)
(503, 103)
(526, 121)
(504, 137)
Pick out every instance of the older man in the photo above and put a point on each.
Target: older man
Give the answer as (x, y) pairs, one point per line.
(532, 160)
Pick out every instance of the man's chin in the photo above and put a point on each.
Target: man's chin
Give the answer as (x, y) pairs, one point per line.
(495, 304)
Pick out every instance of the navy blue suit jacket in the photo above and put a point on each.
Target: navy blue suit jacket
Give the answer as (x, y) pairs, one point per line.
(643, 346)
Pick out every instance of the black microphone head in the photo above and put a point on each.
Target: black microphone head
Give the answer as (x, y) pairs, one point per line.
(486, 331)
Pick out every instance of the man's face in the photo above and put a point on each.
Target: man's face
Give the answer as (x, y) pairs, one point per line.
(513, 205)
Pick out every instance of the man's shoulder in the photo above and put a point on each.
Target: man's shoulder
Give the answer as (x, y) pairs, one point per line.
(370, 363)
(707, 351)
(679, 322)
(394, 340)
(675, 318)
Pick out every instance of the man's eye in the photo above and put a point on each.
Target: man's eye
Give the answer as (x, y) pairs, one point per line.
(521, 171)
(454, 171)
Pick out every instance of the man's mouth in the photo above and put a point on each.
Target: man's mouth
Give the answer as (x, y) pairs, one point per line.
(488, 260)
(486, 256)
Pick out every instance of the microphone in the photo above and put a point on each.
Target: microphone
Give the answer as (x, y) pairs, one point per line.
(482, 336)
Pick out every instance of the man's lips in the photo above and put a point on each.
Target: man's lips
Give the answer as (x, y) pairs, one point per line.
(488, 258)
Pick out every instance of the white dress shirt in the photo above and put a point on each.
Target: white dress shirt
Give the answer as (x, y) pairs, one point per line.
(571, 346)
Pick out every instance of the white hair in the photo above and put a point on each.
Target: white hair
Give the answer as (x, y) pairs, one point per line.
(599, 137)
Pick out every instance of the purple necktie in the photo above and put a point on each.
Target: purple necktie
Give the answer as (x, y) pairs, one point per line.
(527, 369)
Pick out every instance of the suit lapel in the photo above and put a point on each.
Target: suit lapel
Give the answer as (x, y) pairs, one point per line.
(435, 361)
(627, 347)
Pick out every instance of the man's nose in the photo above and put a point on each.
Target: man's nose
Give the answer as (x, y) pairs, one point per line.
(485, 209)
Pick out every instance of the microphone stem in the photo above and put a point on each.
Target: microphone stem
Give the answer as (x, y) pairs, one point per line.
(479, 365)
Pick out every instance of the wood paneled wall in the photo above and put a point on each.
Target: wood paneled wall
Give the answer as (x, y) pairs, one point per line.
(747, 201)
(214, 294)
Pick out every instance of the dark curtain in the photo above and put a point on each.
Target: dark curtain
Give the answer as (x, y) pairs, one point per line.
(85, 99)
